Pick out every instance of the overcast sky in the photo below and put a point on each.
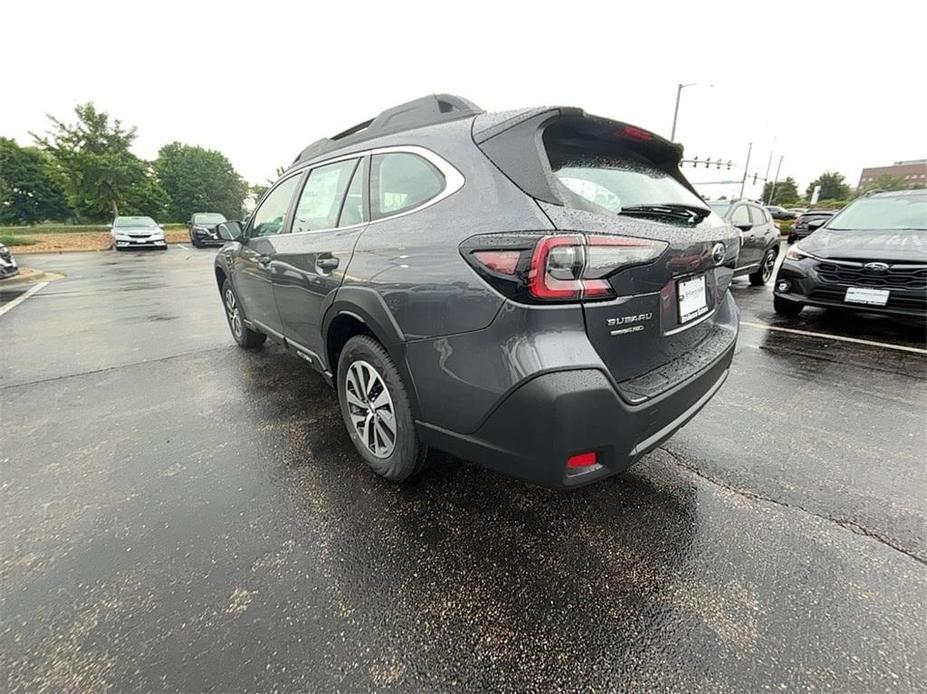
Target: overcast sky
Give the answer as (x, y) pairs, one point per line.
(828, 85)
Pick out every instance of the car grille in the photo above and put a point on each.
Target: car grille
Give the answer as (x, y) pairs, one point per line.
(904, 302)
(897, 276)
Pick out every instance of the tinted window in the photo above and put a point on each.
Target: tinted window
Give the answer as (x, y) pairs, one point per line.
(757, 215)
(322, 195)
(402, 181)
(208, 218)
(613, 176)
(268, 219)
(354, 210)
(134, 222)
(740, 216)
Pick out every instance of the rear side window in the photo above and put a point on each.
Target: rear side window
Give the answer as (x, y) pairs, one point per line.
(757, 215)
(320, 202)
(740, 216)
(402, 181)
(268, 219)
(354, 210)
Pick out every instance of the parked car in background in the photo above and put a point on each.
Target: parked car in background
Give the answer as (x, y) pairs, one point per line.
(8, 265)
(202, 228)
(137, 232)
(396, 258)
(797, 211)
(759, 238)
(807, 222)
(870, 256)
(780, 212)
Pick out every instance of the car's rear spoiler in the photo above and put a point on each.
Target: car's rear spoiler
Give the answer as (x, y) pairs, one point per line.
(514, 142)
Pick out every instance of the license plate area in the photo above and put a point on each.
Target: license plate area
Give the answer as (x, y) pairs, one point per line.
(692, 298)
(865, 295)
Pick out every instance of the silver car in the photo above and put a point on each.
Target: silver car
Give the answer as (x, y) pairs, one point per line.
(137, 232)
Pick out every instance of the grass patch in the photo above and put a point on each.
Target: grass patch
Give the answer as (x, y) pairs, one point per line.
(10, 240)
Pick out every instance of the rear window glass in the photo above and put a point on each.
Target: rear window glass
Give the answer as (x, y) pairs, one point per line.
(612, 176)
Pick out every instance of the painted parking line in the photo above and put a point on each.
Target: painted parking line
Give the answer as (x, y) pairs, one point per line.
(21, 298)
(840, 338)
(183, 247)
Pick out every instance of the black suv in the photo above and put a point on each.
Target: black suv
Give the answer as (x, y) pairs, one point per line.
(871, 256)
(540, 291)
(202, 228)
(759, 238)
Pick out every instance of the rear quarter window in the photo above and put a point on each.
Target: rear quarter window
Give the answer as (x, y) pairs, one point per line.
(402, 181)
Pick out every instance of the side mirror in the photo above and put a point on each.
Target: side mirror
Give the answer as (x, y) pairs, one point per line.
(229, 231)
(744, 227)
(109, 226)
(816, 224)
(161, 227)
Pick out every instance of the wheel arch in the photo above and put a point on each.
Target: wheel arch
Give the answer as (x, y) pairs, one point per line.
(362, 311)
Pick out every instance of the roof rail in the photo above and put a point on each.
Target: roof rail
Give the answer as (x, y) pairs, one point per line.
(428, 110)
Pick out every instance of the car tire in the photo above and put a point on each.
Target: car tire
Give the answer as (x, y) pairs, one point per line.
(765, 271)
(784, 307)
(194, 242)
(372, 396)
(245, 337)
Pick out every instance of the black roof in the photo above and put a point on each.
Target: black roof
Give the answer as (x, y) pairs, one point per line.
(428, 110)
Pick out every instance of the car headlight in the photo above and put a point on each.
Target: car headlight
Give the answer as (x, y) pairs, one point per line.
(796, 253)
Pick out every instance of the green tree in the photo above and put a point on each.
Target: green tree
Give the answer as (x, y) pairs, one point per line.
(833, 186)
(199, 180)
(30, 191)
(102, 177)
(786, 192)
(887, 182)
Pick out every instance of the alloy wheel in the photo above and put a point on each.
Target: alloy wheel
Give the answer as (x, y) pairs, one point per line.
(234, 314)
(769, 263)
(370, 408)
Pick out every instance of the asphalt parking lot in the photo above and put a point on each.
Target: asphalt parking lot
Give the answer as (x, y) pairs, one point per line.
(177, 514)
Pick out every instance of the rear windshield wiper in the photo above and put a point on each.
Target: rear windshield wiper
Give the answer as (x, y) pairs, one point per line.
(689, 213)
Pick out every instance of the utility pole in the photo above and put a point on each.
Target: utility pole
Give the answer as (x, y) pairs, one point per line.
(743, 181)
(772, 190)
(769, 163)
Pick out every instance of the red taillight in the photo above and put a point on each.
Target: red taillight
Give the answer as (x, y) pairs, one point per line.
(503, 262)
(575, 266)
(583, 460)
(562, 267)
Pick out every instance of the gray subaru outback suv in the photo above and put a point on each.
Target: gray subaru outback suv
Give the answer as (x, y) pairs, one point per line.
(540, 291)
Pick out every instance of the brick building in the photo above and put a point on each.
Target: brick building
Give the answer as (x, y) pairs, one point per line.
(913, 172)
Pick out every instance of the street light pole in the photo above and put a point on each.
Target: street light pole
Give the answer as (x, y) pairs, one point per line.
(743, 181)
(772, 190)
(679, 88)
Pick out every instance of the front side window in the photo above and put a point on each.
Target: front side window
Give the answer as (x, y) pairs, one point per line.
(320, 202)
(402, 181)
(268, 219)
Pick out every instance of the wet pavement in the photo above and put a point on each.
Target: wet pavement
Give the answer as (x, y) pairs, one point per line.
(177, 514)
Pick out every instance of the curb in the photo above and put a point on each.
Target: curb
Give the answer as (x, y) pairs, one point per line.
(29, 276)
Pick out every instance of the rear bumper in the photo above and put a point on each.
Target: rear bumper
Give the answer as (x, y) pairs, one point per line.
(556, 415)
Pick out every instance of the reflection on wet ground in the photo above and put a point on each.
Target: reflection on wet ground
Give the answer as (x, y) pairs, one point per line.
(190, 516)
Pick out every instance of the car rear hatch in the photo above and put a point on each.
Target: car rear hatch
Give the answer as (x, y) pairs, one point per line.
(653, 261)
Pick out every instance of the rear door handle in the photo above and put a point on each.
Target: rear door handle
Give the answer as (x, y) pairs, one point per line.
(327, 263)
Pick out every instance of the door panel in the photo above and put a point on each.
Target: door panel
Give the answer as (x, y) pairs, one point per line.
(253, 266)
(310, 263)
